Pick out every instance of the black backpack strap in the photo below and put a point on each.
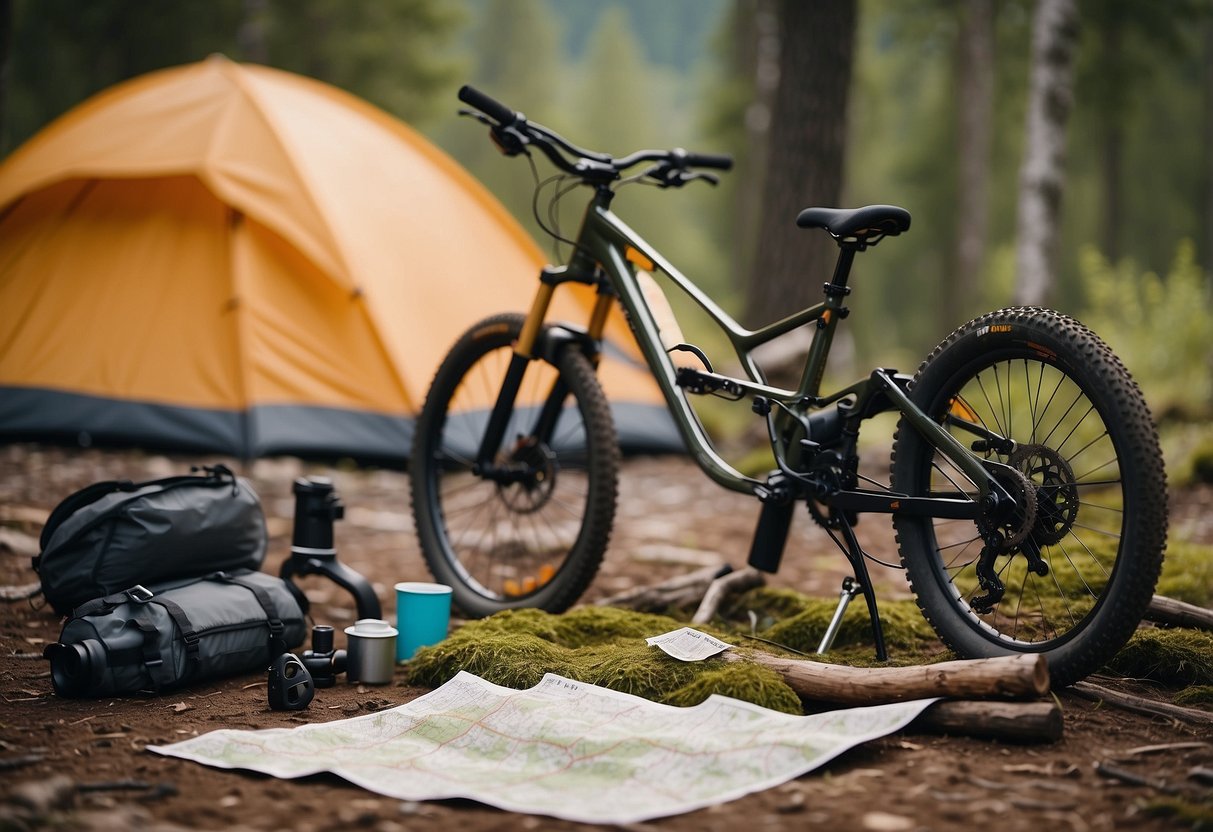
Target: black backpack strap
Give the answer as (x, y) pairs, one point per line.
(189, 636)
(273, 619)
(150, 652)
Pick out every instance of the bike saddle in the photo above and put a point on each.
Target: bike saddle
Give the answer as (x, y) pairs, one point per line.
(865, 226)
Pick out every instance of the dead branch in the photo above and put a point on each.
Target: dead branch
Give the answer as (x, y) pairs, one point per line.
(1014, 677)
(1125, 776)
(1141, 705)
(1026, 722)
(1173, 613)
(722, 587)
(682, 590)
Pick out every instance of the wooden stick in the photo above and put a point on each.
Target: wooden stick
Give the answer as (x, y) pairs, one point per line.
(1021, 676)
(722, 587)
(1141, 705)
(1164, 610)
(677, 591)
(1016, 721)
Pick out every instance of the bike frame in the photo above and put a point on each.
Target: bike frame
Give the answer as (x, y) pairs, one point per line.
(607, 255)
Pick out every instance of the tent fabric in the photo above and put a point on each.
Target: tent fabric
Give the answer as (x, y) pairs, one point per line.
(226, 257)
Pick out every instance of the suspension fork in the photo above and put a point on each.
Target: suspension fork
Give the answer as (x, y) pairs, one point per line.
(526, 350)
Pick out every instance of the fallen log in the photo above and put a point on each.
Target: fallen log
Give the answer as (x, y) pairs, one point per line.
(1025, 722)
(1173, 613)
(1013, 677)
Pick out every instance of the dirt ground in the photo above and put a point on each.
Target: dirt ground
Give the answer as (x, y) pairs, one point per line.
(82, 764)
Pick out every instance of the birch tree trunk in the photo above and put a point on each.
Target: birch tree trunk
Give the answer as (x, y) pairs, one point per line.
(1055, 28)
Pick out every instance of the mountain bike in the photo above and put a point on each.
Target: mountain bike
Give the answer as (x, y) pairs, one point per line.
(1027, 488)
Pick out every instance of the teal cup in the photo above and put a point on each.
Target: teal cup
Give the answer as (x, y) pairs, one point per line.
(423, 613)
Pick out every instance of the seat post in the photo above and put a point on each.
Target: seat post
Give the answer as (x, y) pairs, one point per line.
(837, 287)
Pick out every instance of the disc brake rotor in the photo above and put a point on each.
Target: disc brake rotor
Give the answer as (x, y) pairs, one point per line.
(534, 488)
(1056, 491)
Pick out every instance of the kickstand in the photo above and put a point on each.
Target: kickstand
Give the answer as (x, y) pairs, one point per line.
(853, 586)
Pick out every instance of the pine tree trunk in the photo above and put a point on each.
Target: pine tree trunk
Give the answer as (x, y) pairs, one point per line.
(805, 155)
(975, 123)
(1042, 173)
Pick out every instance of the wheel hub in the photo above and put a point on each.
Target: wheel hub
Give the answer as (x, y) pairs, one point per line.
(1056, 491)
(535, 479)
(1015, 523)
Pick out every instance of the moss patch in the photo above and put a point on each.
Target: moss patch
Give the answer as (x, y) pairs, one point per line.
(605, 646)
(1173, 657)
(597, 645)
(1195, 695)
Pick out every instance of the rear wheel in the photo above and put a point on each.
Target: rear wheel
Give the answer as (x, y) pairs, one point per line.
(531, 532)
(1077, 560)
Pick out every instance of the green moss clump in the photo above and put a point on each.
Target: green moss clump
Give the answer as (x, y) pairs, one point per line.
(596, 645)
(1173, 657)
(1195, 695)
(739, 681)
(768, 603)
(904, 628)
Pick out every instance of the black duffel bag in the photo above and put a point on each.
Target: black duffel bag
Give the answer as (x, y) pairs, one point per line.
(162, 637)
(113, 535)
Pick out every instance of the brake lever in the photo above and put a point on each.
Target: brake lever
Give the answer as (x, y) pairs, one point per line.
(670, 177)
(480, 117)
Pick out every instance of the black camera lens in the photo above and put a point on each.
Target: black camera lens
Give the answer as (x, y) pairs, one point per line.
(76, 668)
(322, 638)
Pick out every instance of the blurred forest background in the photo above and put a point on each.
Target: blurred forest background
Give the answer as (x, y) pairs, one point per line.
(919, 103)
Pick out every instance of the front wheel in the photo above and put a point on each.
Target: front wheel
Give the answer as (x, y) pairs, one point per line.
(529, 529)
(1066, 431)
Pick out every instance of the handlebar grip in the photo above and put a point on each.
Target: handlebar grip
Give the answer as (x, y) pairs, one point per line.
(717, 161)
(488, 105)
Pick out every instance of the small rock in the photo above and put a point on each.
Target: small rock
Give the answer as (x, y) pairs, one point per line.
(885, 822)
(42, 796)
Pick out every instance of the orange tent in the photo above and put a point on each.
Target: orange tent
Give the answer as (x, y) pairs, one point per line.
(231, 258)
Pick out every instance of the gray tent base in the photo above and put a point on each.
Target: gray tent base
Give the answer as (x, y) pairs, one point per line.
(34, 414)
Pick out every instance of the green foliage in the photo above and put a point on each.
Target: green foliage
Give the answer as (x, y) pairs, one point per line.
(1159, 326)
(391, 52)
(1187, 573)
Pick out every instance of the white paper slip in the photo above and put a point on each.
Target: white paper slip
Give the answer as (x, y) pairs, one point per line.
(688, 645)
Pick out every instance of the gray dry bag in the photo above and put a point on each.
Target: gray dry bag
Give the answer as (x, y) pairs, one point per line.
(113, 535)
(161, 637)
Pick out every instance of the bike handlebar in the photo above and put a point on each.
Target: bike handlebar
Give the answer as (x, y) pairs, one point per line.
(512, 131)
(486, 104)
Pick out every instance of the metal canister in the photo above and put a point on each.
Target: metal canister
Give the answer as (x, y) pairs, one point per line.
(372, 651)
